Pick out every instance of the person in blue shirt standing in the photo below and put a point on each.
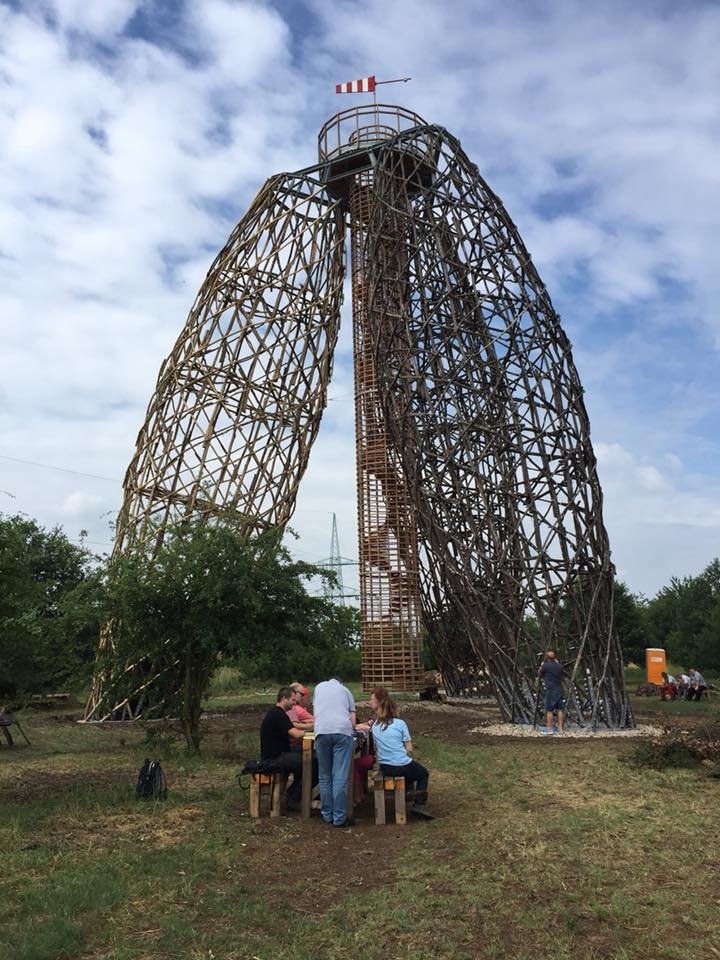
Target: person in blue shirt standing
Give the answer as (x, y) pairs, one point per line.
(334, 729)
(393, 748)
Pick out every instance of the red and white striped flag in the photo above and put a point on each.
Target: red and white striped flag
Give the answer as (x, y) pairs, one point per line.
(366, 85)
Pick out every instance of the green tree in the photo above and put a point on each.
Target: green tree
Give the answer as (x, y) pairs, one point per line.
(207, 596)
(684, 618)
(37, 569)
(630, 621)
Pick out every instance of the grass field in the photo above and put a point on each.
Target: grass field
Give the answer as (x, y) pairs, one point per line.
(542, 848)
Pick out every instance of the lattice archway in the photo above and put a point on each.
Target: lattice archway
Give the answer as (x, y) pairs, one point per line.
(485, 408)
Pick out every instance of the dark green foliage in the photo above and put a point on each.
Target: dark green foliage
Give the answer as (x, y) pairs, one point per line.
(630, 612)
(209, 596)
(684, 618)
(312, 639)
(37, 569)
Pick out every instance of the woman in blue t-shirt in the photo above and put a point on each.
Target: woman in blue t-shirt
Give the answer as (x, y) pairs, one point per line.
(393, 748)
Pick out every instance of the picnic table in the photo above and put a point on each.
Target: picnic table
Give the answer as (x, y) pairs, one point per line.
(8, 720)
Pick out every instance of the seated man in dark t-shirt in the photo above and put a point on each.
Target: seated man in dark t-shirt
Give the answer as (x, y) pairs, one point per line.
(275, 733)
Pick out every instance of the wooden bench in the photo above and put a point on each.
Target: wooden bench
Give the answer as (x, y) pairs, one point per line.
(5, 725)
(267, 794)
(8, 720)
(385, 789)
(48, 699)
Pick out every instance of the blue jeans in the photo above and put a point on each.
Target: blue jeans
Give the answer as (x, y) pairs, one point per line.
(334, 755)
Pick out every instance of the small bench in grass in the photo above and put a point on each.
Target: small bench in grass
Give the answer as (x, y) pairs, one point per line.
(267, 794)
(48, 699)
(389, 789)
(8, 720)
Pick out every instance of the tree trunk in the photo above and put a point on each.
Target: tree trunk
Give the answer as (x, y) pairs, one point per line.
(192, 694)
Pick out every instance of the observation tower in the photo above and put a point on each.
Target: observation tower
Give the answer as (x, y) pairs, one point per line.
(479, 507)
(390, 601)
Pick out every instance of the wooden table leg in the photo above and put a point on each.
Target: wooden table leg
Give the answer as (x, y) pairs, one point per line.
(17, 724)
(308, 745)
(400, 815)
(350, 797)
(255, 796)
(8, 736)
(379, 791)
(277, 796)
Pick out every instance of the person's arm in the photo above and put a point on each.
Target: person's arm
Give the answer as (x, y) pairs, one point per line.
(353, 719)
(407, 741)
(296, 733)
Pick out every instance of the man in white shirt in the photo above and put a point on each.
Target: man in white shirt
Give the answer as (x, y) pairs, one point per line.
(334, 727)
(697, 685)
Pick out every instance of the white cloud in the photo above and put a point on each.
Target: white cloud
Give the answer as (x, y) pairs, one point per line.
(127, 159)
(78, 503)
(101, 19)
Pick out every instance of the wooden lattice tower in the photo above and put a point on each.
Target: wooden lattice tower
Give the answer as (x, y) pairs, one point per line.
(390, 607)
(480, 510)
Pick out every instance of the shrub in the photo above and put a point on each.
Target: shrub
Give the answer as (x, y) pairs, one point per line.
(676, 748)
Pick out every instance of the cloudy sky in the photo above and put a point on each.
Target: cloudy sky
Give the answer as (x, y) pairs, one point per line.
(134, 134)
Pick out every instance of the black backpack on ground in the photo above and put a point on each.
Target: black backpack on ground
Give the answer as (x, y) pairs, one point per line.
(151, 783)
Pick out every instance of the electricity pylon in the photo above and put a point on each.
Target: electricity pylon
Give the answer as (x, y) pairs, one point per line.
(334, 590)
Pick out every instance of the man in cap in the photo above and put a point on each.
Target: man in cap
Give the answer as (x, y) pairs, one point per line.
(299, 713)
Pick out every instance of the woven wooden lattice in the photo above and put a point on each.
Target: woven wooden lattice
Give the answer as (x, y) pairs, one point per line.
(480, 510)
(484, 406)
(390, 610)
(238, 402)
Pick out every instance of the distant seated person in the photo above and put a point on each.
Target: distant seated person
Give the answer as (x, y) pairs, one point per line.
(276, 734)
(683, 685)
(697, 685)
(394, 748)
(668, 688)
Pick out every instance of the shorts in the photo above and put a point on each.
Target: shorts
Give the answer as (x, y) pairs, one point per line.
(554, 700)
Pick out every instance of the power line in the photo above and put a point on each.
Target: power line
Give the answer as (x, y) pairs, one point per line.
(97, 543)
(49, 466)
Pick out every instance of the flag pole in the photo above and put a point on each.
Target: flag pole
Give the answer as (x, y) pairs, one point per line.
(377, 84)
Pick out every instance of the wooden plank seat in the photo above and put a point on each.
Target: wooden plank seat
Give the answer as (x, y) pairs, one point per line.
(5, 724)
(389, 790)
(267, 794)
(8, 720)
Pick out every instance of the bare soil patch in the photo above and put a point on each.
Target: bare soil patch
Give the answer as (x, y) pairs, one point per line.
(38, 784)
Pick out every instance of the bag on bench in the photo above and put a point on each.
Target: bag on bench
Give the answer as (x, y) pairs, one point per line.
(259, 766)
